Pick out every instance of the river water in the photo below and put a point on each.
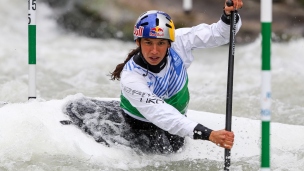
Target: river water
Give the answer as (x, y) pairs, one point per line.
(70, 66)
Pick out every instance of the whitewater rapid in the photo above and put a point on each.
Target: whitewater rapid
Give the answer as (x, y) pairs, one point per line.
(70, 66)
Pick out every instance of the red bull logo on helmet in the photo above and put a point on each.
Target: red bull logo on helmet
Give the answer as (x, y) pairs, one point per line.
(156, 31)
(138, 31)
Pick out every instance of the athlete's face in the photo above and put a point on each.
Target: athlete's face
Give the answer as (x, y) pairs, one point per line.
(153, 50)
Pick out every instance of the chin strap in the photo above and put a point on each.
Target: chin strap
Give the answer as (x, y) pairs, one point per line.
(142, 57)
(146, 71)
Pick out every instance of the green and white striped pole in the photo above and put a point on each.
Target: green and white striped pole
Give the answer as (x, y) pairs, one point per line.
(266, 19)
(32, 48)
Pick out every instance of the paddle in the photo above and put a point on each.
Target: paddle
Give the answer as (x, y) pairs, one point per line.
(230, 79)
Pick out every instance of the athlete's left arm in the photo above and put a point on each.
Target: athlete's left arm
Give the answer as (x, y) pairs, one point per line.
(205, 35)
(202, 36)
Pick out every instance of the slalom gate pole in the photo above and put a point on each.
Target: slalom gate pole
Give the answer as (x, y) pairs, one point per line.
(187, 6)
(32, 48)
(230, 80)
(266, 19)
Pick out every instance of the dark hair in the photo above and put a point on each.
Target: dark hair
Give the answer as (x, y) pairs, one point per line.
(115, 75)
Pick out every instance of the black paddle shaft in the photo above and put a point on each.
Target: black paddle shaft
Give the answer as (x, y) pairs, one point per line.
(230, 80)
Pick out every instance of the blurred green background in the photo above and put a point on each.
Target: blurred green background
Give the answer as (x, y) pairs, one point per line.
(116, 18)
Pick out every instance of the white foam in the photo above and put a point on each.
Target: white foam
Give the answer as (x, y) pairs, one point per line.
(33, 128)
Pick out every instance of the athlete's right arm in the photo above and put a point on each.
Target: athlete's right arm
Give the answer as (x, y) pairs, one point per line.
(135, 88)
(154, 109)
